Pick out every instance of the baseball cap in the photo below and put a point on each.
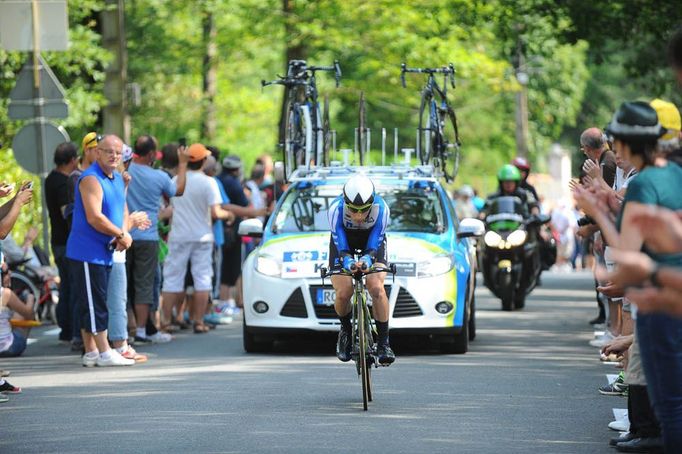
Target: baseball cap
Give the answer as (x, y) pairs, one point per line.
(90, 140)
(232, 162)
(197, 152)
(669, 117)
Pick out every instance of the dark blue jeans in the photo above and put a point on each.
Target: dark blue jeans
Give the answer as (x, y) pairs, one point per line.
(660, 342)
(67, 312)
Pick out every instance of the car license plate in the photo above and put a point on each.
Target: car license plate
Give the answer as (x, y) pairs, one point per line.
(325, 297)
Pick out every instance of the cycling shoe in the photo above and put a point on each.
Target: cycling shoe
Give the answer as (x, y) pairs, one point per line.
(343, 346)
(385, 354)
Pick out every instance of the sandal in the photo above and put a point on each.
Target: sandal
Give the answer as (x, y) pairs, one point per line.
(201, 328)
(170, 329)
(181, 324)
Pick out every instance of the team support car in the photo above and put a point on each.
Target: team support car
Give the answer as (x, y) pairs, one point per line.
(432, 292)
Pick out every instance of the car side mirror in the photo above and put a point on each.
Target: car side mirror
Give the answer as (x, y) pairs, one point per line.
(470, 227)
(251, 227)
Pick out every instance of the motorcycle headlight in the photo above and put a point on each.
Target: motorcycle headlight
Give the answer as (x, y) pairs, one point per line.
(267, 265)
(516, 238)
(492, 239)
(439, 264)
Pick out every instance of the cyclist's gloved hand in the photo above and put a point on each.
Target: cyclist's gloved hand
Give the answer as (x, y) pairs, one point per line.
(348, 263)
(367, 259)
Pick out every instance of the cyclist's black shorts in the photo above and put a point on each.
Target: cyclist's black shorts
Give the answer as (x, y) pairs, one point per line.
(334, 260)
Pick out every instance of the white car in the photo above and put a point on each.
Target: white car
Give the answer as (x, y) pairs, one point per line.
(434, 284)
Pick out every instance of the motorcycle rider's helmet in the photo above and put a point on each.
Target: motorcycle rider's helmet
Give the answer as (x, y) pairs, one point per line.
(521, 163)
(358, 193)
(508, 173)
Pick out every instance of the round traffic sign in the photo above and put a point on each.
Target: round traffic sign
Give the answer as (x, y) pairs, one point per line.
(28, 150)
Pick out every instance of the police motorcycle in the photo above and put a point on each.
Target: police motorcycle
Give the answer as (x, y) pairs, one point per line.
(511, 261)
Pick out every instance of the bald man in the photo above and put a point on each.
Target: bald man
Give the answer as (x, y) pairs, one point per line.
(100, 220)
(593, 145)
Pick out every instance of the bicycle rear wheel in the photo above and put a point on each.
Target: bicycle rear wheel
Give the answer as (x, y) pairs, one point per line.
(428, 129)
(449, 144)
(362, 353)
(326, 133)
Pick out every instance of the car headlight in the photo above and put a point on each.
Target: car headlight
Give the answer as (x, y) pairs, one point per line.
(492, 239)
(516, 238)
(267, 265)
(437, 265)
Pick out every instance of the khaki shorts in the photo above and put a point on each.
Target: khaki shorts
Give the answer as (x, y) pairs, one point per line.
(634, 375)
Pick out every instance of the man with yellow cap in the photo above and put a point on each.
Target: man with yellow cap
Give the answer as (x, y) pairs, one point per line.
(669, 117)
(89, 147)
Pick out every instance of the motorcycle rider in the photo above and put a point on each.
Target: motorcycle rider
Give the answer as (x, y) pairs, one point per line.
(509, 180)
(524, 167)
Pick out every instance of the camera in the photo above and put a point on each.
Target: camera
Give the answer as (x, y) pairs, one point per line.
(585, 220)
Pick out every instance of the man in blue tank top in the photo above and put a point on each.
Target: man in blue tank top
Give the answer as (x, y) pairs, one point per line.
(100, 220)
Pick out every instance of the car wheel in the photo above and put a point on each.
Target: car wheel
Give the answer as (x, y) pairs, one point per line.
(459, 343)
(252, 344)
(472, 318)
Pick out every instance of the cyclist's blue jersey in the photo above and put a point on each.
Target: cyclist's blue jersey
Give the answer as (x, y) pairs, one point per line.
(367, 235)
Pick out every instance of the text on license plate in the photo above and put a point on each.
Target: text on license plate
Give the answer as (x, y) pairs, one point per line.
(327, 296)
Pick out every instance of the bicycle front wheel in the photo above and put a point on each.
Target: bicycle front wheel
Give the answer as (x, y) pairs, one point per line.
(362, 353)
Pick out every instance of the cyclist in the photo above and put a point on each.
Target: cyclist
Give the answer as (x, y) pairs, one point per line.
(358, 220)
(524, 167)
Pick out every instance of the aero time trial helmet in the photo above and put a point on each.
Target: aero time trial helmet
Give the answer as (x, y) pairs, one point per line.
(358, 193)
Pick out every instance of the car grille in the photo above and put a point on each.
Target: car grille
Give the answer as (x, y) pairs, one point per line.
(295, 306)
(406, 306)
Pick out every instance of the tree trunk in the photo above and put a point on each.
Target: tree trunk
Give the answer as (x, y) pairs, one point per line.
(115, 114)
(209, 76)
(294, 51)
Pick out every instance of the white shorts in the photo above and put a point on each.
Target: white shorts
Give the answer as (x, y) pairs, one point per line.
(175, 266)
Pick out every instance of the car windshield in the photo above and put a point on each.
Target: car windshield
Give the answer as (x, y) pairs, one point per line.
(415, 207)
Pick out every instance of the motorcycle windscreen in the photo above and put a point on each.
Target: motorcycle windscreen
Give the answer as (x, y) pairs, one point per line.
(506, 213)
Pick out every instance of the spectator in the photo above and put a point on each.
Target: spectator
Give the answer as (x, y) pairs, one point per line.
(100, 219)
(57, 196)
(118, 283)
(562, 223)
(145, 192)
(464, 203)
(9, 212)
(593, 144)
(191, 238)
(232, 253)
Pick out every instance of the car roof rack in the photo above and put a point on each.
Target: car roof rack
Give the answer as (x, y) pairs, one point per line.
(400, 171)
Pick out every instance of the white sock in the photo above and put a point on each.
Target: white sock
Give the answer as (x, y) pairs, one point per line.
(231, 302)
(122, 349)
(141, 332)
(92, 355)
(105, 355)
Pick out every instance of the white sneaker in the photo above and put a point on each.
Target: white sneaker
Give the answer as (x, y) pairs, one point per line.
(115, 360)
(620, 425)
(603, 340)
(160, 338)
(89, 362)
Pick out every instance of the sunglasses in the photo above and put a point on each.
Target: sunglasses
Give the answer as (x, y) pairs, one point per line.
(359, 209)
(96, 139)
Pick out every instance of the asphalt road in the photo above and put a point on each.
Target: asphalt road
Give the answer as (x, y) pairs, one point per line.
(528, 384)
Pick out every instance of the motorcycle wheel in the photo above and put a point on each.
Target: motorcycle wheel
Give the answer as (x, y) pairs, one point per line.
(507, 304)
(519, 302)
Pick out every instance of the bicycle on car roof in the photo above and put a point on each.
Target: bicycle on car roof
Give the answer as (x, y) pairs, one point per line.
(438, 135)
(305, 132)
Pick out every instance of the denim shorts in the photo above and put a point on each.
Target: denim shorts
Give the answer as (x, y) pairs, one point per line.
(18, 345)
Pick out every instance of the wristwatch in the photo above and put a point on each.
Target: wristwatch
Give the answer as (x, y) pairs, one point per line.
(121, 235)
